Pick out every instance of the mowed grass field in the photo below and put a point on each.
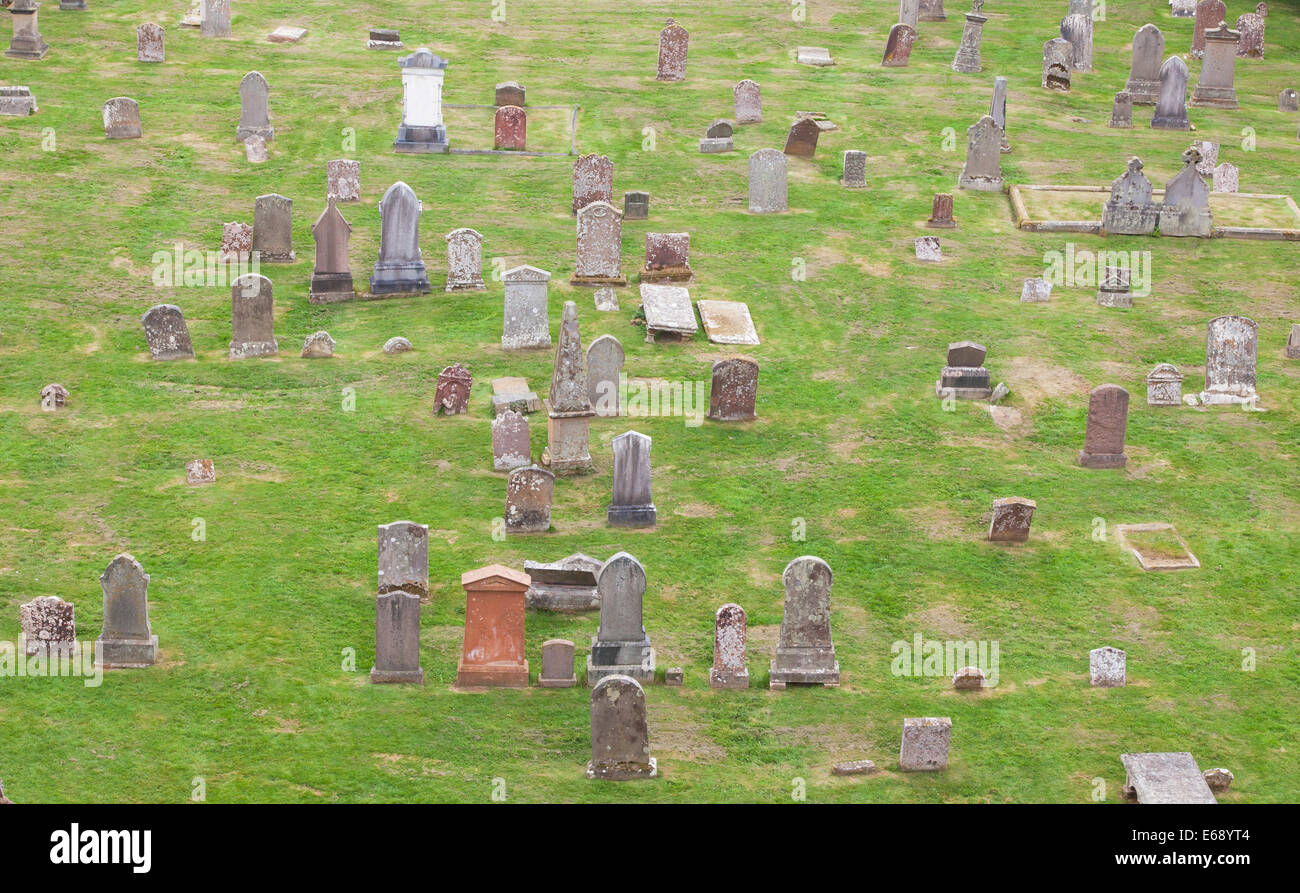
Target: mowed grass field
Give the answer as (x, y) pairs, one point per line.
(250, 693)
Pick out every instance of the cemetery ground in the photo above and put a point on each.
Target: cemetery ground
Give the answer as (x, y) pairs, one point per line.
(250, 693)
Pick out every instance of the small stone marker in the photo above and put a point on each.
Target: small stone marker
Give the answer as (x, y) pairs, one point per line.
(167, 334)
(200, 471)
(318, 346)
(1106, 667)
(604, 366)
(727, 322)
(855, 169)
(567, 586)
(343, 180)
(1288, 101)
(928, 250)
(127, 641)
(673, 41)
(1215, 88)
(748, 102)
(464, 260)
(568, 406)
(49, 627)
(968, 679)
(1036, 291)
(925, 744)
(1115, 289)
(1165, 386)
(385, 39)
(621, 646)
(252, 318)
(1012, 516)
(805, 654)
(451, 396)
(898, 46)
(668, 311)
(17, 101)
(983, 168)
(674, 676)
(150, 43)
(510, 93)
(397, 638)
(593, 181)
(122, 119)
(493, 652)
(1165, 778)
(636, 206)
(403, 552)
(729, 637)
(510, 129)
(400, 267)
(667, 258)
(606, 299)
(254, 108)
(255, 149)
(511, 447)
(941, 212)
(1226, 178)
(1121, 113)
(53, 396)
(331, 276)
(1231, 352)
(767, 182)
(1218, 780)
(513, 393)
(236, 242)
(422, 130)
(1171, 103)
(1143, 83)
(632, 504)
(273, 229)
(600, 246)
(397, 345)
(287, 34)
(525, 323)
(1183, 9)
(855, 767)
(1103, 445)
(557, 665)
(733, 390)
(818, 57)
(967, 59)
(802, 139)
(529, 494)
(620, 738)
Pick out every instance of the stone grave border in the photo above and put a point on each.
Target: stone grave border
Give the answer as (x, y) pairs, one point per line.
(1155, 564)
(573, 133)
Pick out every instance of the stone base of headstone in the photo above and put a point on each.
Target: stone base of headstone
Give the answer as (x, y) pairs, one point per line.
(1129, 220)
(941, 224)
(1214, 97)
(399, 278)
(1219, 398)
(632, 515)
(942, 390)
(682, 275)
(421, 140)
(491, 675)
(127, 653)
(17, 101)
(477, 285)
(785, 675)
(243, 133)
(980, 184)
(568, 441)
(27, 48)
(1190, 222)
(734, 680)
(1171, 123)
(623, 771)
(1102, 460)
(713, 145)
(597, 281)
(1142, 91)
(635, 659)
(330, 288)
(72, 4)
(561, 598)
(245, 349)
(415, 677)
(562, 682)
(1114, 298)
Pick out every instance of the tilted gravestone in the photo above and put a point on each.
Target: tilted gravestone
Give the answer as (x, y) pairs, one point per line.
(967, 59)
(805, 654)
(898, 46)
(983, 168)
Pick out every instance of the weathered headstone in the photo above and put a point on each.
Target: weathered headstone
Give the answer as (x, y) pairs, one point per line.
(932, 11)
(1115, 288)
(451, 395)
(673, 41)
(1209, 152)
(718, 137)
(1165, 386)
(1217, 779)
(510, 93)
(967, 59)
(620, 738)
(1077, 29)
(273, 229)
(49, 627)
(668, 312)
(968, 679)
(150, 43)
(600, 246)
(343, 180)
(525, 324)
(422, 129)
(1171, 104)
(1036, 291)
(53, 396)
(403, 558)
(1171, 778)
(802, 139)
(1209, 14)
(236, 242)
(397, 638)
(925, 744)
(941, 212)
(1251, 28)
(729, 637)
(983, 168)
(200, 471)
(632, 504)
(384, 39)
(604, 366)
(733, 390)
(19, 102)
(122, 119)
(747, 104)
(254, 108)
(1183, 9)
(568, 405)
(1288, 101)
(1103, 443)
(1215, 88)
(1011, 519)
(621, 646)
(1130, 210)
(909, 12)
(397, 345)
(964, 376)
(1226, 178)
(492, 655)
(998, 110)
(855, 169)
(667, 258)
(252, 318)
(529, 494)
(214, 20)
(127, 639)
(1144, 75)
(767, 182)
(557, 665)
(1106, 667)
(1121, 113)
(1186, 209)
(318, 346)
(255, 149)
(593, 181)
(898, 46)
(1058, 62)
(400, 267)
(567, 586)
(928, 249)
(511, 447)
(636, 206)
(1231, 355)
(167, 334)
(331, 275)
(805, 654)
(510, 129)
(464, 260)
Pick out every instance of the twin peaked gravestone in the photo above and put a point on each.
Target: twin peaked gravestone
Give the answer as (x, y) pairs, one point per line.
(805, 654)
(400, 267)
(632, 505)
(621, 646)
(1186, 209)
(127, 639)
(331, 276)
(1131, 210)
(493, 651)
(167, 334)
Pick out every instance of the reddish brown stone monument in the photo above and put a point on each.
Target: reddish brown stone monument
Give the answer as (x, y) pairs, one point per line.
(802, 140)
(511, 128)
(1103, 444)
(452, 394)
(493, 655)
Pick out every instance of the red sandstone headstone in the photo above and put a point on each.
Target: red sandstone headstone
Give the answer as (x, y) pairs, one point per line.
(1103, 443)
(493, 653)
(511, 128)
(1011, 518)
(672, 53)
(452, 394)
(734, 387)
(802, 140)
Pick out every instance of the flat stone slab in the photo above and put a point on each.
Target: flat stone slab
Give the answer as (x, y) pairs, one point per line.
(1156, 546)
(817, 56)
(286, 34)
(854, 767)
(727, 322)
(668, 310)
(514, 393)
(1166, 778)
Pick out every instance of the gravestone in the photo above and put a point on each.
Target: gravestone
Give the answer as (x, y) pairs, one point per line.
(127, 641)
(802, 139)
(855, 169)
(967, 59)
(1251, 28)
(673, 42)
(287, 34)
(49, 627)
(397, 638)
(254, 108)
(1209, 158)
(568, 406)
(167, 334)
(667, 258)
(511, 447)
(1186, 209)
(1036, 291)
(1288, 101)
(941, 212)
(964, 377)
(621, 646)
(968, 679)
(510, 129)
(1103, 442)
(983, 168)
(1209, 14)
(451, 394)
(1130, 210)
(604, 366)
(593, 181)
(1011, 519)
(273, 229)
(525, 325)
(493, 652)
(818, 57)
(214, 21)
(529, 494)
(464, 260)
(403, 550)
(620, 738)
(1121, 113)
(122, 119)
(1106, 667)
(1171, 104)
(343, 180)
(397, 345)
(53, 396)
(1215, 88)
(1231, 353)
(1218, 779)
(718, 137)
(928, 250)
(909, 12)
(384, 39)
(72, 5)
(1077, 29)
(600, 246)
(200, 471)
(1114, 289)
(1058, 62)
(1165, 386)
(747, 104)
(557, 665)
(998, 110)
(605, 299)
(727, 322)
(19, 102)
(1164, 778)
(636, 206)
(668, 312)
(1144, 75)
(729, 636)
(510, 93)
(925, 744)
(150, 43)
(1183, 9)
(331, 275)
(1293, 343)
(767, 182)
(1226, 178)
(255, 149)
(318, 346)
(733, 390)
(567, 586)
(400, 267)
(236, 242)
(805, 654)
(632, 504)
(898, 46)
(252, 318)
(422, 130)
(932, 11)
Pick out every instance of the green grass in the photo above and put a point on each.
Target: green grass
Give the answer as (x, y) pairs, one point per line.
(249, 693)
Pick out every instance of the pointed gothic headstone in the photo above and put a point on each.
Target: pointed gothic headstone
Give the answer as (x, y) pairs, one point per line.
(331, 277)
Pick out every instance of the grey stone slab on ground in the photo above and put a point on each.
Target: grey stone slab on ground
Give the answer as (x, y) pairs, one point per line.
(767, 182)
(1166, 778)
